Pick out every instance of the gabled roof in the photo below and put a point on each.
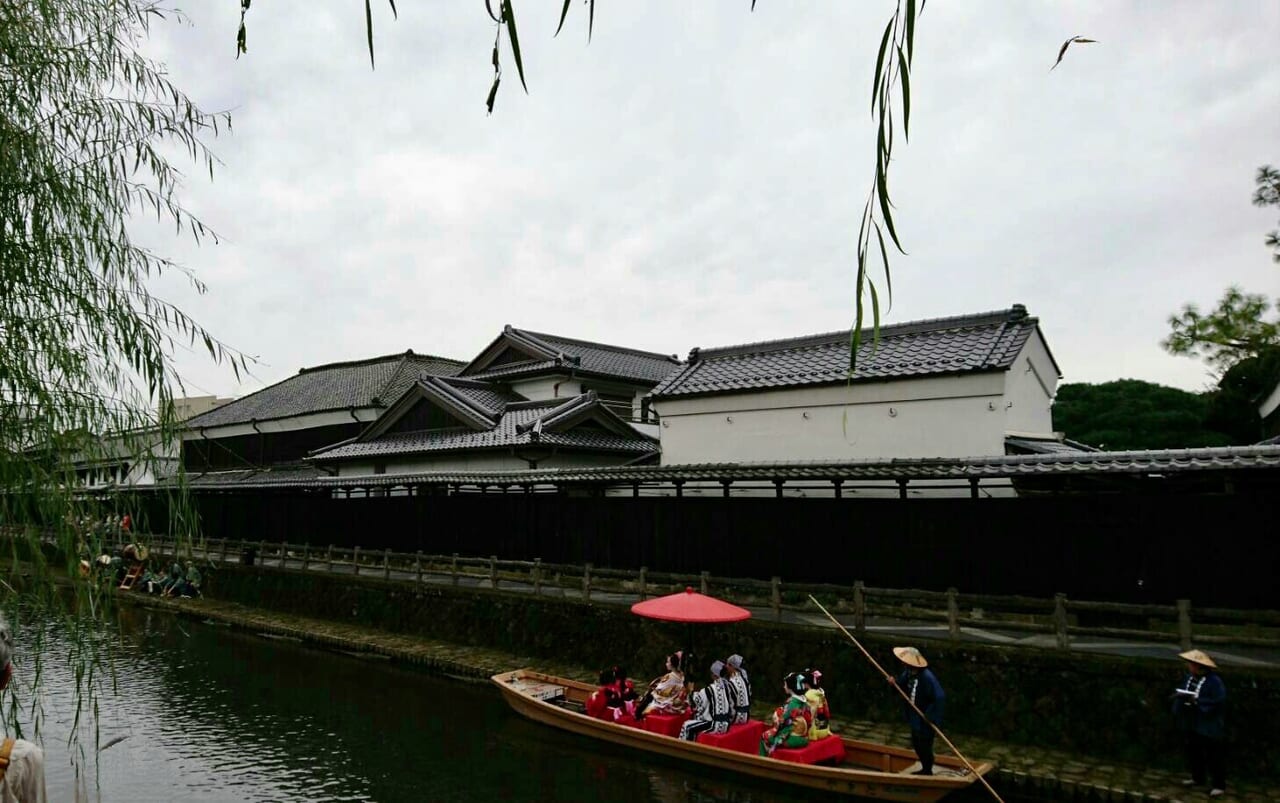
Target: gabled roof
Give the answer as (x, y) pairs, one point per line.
(555, 354)
(988, 341)
(336, 386)
(552, 423)
(476, 405)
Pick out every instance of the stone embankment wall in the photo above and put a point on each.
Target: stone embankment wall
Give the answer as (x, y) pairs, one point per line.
(1112, 707)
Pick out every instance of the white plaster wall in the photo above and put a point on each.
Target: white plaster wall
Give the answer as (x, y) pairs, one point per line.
(1029, 388)
(957, 416)
(544, 387)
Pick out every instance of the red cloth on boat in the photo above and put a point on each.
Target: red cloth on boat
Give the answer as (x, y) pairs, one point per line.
(744, 738)
(829, 749)
(664, 724)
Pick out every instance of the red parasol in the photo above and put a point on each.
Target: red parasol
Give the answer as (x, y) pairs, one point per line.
(690, 606)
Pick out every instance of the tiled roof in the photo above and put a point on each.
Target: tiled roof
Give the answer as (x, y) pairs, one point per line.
(583, 356)
(337, 386)
(970, 343)
(1023, 445)
(1166, 462)
(515, 427)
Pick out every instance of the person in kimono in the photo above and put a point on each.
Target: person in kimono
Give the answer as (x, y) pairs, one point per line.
(667, 694)
(712, 711)
(816, 697)
(739, 689)
(791, 720)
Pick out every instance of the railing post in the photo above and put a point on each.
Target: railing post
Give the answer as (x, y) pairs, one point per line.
(953, 615)
(355, 559)
(1060, 621)
(644, 572)
(586, 581)
(537, 576)
(417, 565)
(386, 564)
(222, 555)
(703, 583)
(284, 552)
(1184, 623)
(306, 555)
(859, 606)
(262, 554)
(493, 571)
(775, 597)
(328, 559)
(455, 568)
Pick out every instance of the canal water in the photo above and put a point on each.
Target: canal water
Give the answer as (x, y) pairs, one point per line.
(204, 712)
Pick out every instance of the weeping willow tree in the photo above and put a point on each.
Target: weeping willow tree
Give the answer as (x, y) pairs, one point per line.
(91, 133)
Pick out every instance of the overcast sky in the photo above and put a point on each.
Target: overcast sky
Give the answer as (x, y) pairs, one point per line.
(694, 176)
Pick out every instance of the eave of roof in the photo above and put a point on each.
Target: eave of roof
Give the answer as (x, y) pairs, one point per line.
(1170, 461)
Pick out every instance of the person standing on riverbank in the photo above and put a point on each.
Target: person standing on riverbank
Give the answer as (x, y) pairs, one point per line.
(21, 762)
(925, 692)
(1198, 712)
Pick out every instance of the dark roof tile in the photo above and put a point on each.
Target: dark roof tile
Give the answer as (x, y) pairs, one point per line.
(337, 386)
(969, 343)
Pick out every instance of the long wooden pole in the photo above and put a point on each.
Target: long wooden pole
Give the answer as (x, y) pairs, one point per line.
(907, 697)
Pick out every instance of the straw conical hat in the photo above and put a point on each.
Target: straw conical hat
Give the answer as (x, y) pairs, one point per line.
(1198, 657)
(910, 656)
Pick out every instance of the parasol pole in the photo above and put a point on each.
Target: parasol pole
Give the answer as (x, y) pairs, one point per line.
(907, 697)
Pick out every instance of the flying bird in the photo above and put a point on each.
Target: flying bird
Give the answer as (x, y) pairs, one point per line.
(1080, 40)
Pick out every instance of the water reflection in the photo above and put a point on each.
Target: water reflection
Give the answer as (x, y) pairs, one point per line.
(218, 715)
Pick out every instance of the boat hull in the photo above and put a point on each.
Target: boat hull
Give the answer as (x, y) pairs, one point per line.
(887, 783)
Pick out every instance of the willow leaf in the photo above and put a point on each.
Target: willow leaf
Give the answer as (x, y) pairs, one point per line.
(564, 12)
(882, 195)
(509, 16)
(591, 18)
(911, 29)
(875, 317)
(884, 258)
(368, 27)
(884, 46)
(905, 79)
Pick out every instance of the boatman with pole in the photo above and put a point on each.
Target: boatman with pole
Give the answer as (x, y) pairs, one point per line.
(924, 703)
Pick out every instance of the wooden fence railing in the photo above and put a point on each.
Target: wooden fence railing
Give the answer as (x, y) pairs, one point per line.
(1059, 619)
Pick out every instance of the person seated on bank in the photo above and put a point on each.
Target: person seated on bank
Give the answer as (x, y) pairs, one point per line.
(187, 584)
(791, 720)
(924, 690)
(667, 694)
(739, 686)
(712, 711)
(816, 697)
(604, 700)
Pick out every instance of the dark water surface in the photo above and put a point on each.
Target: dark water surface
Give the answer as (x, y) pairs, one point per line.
(214, 714)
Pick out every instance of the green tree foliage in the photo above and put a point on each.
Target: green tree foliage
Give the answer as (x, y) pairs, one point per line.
(88, 129)
(1268, 194)
(1237, 329)
(1233, 406)
(1132, 414)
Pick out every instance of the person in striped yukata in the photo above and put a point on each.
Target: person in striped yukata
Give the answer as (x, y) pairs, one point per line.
(739, 686)
(712, 712)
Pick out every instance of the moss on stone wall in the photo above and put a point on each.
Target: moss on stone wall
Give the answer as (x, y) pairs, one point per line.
(1106, 706)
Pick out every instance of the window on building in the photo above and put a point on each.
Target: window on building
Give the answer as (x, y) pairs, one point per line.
(379, 468)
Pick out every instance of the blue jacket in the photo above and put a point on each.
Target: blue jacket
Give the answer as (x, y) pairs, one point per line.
(1205, 713)
(929, 697)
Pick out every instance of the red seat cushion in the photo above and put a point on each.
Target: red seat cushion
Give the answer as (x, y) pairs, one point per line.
(830, 748)
(744, 738)
(665, 724)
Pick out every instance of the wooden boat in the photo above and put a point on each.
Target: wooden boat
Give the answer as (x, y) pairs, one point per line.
(869, 769)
